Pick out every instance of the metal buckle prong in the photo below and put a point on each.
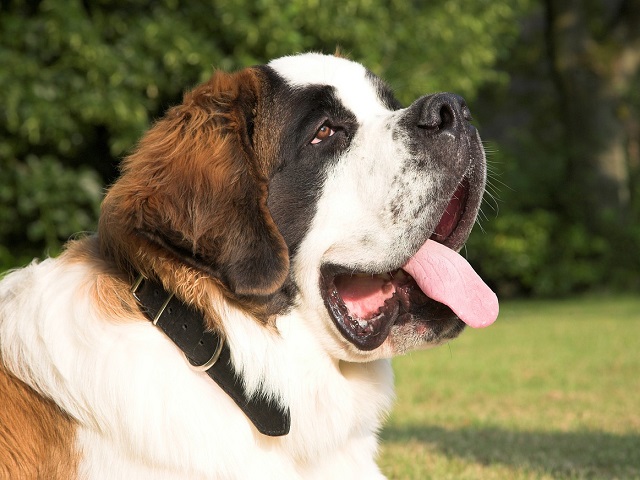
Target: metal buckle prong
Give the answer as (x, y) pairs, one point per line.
(161, 311)
(136, 285)
(134, 291)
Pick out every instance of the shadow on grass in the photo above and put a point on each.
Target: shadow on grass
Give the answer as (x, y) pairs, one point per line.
(582, 454)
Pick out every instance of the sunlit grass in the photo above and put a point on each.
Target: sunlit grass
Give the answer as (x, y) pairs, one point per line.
(551, 391)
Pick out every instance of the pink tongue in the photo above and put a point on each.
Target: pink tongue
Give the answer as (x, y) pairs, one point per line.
(447, 277)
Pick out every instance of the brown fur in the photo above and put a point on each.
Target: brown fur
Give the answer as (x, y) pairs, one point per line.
(190, 207)
(110, 290)
(36, 437)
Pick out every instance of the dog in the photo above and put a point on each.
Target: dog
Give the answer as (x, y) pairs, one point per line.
(269, 245)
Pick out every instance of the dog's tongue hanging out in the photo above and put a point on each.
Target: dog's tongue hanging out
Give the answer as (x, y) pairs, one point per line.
(447, 277)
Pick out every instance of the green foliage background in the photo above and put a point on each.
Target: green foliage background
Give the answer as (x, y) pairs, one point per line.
(81, 81)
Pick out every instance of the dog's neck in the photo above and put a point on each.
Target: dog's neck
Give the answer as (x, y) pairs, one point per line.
(206, 351)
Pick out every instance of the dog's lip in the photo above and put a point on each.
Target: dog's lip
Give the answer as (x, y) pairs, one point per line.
(402, 297)
(453, 213)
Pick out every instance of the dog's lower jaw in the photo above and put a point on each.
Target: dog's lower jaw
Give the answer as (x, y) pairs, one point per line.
(408, 337)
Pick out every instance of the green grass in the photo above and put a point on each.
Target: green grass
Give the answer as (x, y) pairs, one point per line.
(551, 391)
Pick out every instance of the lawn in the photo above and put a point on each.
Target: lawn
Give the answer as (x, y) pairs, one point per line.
(551, 391)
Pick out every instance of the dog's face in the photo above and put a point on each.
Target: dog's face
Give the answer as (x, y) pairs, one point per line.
(361, 186)
(310, 183)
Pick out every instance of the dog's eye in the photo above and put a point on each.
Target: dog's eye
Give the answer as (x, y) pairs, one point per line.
(324, 132)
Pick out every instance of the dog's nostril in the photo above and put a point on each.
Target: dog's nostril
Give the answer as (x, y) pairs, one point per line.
(446, 117)
(443, 111)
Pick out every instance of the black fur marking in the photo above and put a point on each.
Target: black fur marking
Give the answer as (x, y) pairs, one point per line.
(296, 184)
(385, 94)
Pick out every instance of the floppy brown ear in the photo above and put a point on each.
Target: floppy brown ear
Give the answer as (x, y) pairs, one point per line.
(195, 187)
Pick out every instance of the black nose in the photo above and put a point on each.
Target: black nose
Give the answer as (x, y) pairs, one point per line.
(443, 111)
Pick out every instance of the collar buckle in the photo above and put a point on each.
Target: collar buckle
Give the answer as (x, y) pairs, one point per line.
(209, 363)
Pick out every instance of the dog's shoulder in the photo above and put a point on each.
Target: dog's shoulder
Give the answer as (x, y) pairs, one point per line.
(36, 437)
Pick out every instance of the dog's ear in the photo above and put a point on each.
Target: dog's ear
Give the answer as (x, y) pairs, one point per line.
(195, 187)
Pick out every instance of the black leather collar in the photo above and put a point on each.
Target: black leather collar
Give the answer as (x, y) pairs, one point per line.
(206, 351)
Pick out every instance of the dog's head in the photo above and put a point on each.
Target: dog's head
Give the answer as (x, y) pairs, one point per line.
(304, 184)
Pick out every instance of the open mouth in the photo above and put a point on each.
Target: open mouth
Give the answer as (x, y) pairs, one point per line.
(436, 284)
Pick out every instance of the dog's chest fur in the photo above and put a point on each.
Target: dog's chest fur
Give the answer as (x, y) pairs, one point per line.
(141, 412)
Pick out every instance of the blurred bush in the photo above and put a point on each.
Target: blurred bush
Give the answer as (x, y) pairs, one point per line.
(44, 204)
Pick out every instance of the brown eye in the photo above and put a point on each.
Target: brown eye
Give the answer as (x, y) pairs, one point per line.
(324, 132)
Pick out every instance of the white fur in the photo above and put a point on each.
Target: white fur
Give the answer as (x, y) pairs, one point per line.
(346, 76)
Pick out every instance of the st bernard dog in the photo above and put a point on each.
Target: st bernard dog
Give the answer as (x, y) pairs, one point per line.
(270, 244)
